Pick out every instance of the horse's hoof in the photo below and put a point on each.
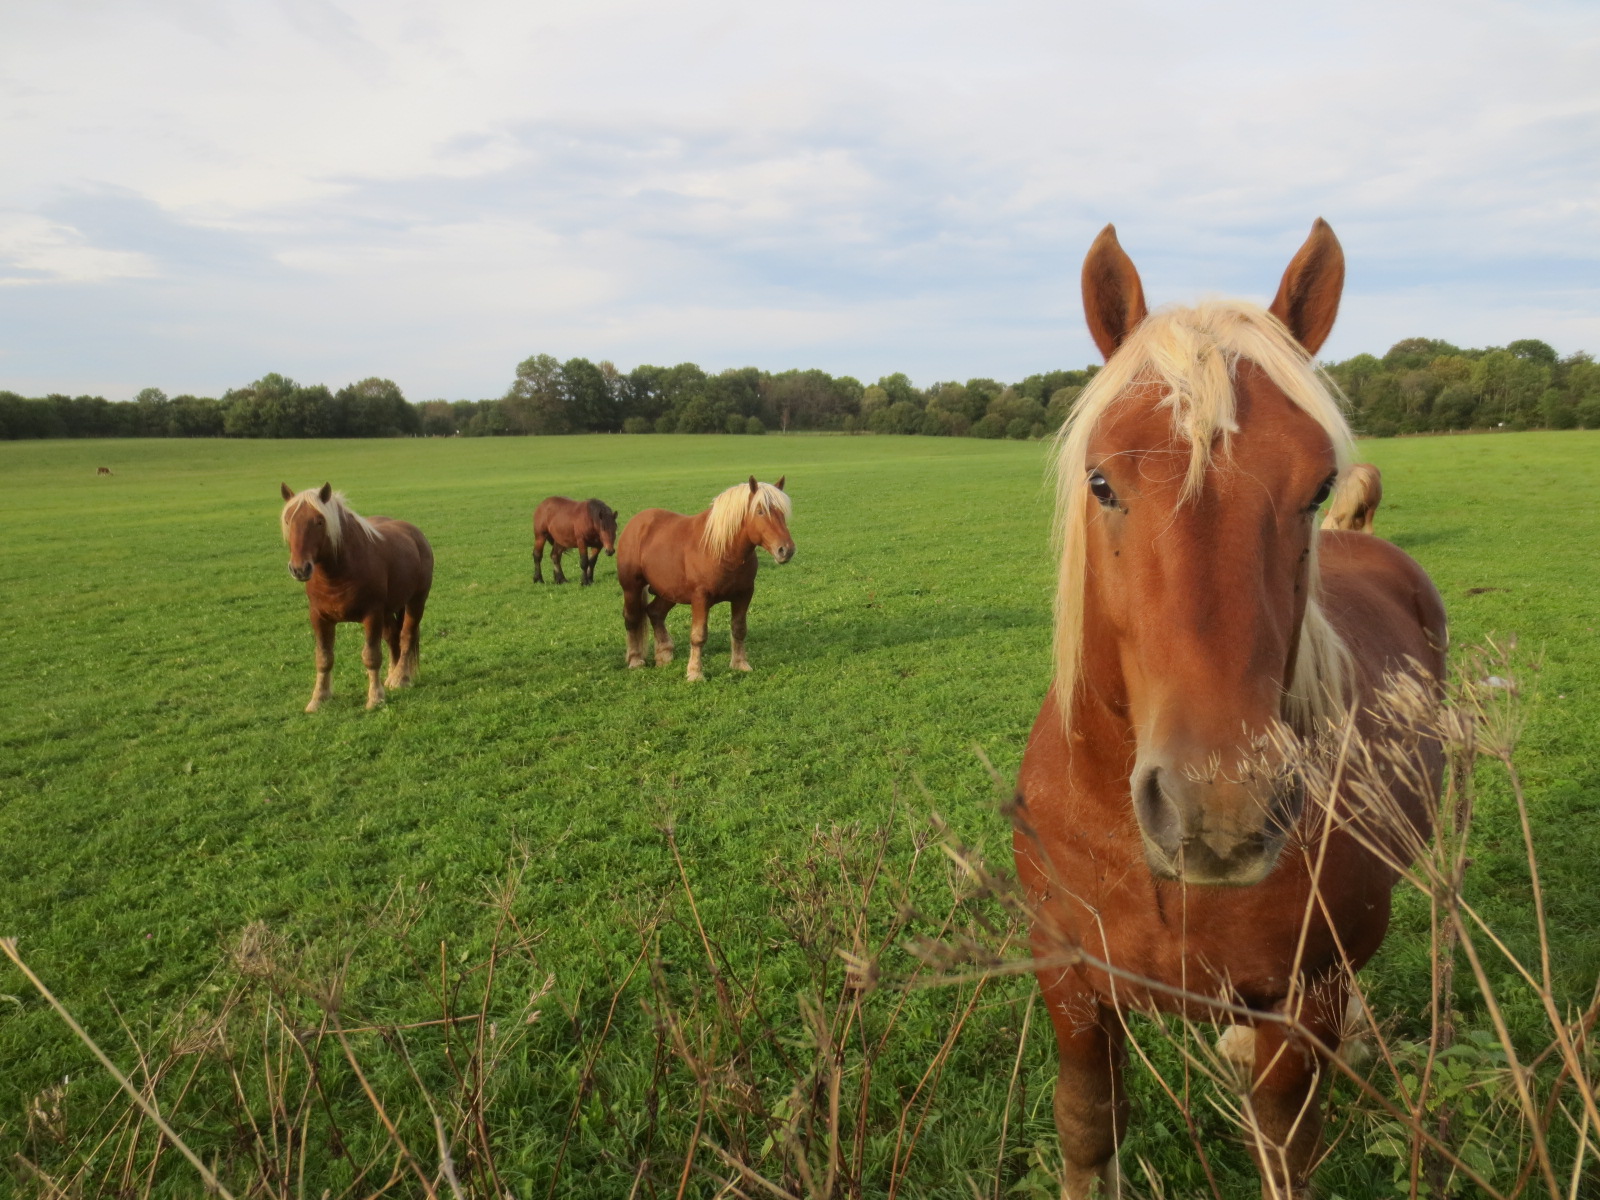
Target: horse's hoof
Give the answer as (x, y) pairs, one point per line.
(663, 659)
(740, 666)
(696, 677)
(635, 663)
(375, 702)
(313, 706)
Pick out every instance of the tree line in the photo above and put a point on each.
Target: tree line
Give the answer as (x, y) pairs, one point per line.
(1421, 385)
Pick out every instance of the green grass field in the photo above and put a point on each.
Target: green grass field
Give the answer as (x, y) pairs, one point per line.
(161, 789)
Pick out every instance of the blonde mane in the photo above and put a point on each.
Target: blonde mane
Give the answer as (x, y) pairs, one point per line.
(335, 510)
(728, 511)
(1189, 356)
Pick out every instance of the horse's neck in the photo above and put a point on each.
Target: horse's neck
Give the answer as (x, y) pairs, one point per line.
(732, 557)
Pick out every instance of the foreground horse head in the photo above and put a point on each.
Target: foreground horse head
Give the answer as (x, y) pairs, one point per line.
(1190, 478)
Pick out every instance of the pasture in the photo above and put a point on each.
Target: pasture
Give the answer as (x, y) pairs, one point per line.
(161, 789)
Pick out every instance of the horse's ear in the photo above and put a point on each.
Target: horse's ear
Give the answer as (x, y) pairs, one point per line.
(325, 492)
(287, 494)
(753, 487)
(1308, 298)
(781, 478)
(1113, 297)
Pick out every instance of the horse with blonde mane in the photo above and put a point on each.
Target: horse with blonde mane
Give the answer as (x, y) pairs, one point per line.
(1206, 638)
(1355, 499)
(699, 560)
(376, 571)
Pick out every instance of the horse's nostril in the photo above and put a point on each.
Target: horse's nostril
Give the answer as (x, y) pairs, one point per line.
(1157, 814)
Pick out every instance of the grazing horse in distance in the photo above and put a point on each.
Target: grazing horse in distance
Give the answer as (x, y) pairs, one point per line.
(1207, 638)
(581, 525)
(1355, 499)
(699, 560)
(102, 470)
(376, 571)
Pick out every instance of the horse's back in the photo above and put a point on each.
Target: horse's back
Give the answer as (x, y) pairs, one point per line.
(408, 556)
(1383, 604)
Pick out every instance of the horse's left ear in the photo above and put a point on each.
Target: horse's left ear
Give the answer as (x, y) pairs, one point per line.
(1308, 298)
(325, 493)
(781, 478)
(287, 494)
(753, 488)
(1113, 297)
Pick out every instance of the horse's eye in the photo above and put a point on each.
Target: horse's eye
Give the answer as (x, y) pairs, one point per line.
(1324, 491)
(1101, 489)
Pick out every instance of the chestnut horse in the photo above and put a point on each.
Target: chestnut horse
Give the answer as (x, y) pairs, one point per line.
(699, 561)
(1201, 620)
(373, 570)
(581, 525)
(1355, 499)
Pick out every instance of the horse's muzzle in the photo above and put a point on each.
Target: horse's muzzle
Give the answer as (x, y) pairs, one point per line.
(784, 553)
(611, 551)
(301, 572)
(1190, 836)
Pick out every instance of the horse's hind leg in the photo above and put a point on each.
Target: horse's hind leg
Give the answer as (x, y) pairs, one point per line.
(391, 634)
(633, 618)
(737, 624)
(322, 630)
(372, 657)
(1091, 1105)
(411, 640)
(658, 610)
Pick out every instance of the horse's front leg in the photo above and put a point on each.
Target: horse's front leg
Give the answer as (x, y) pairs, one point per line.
(1091, 1105)
(1285, 1108)
(697, 636)
(556, 551)
(322, 630)
(588, 565)
(740, 606)
(538, 556)
(372, 656)
(391, 634)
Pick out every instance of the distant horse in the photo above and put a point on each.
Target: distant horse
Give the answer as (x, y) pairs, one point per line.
(373, 570)
(582, 525)
(699, 561)
(1355, 499)
(102, 470)
(1200, 621)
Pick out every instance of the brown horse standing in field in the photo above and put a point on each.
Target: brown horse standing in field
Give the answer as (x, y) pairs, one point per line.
(102, 470)
(373, 570)
(1204, 631)
(699, 561)
(1355, 499)
(580, 525)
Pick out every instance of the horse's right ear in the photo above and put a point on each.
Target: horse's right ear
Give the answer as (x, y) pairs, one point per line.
(287, 494)
(1113, 297)
(753, 486)
(325, 493)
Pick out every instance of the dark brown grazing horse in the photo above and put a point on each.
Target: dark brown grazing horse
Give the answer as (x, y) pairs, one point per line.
(1201, 620)
(373, 570)
(699, 561)
(581, 525)
(1355, 499)
(102, 470)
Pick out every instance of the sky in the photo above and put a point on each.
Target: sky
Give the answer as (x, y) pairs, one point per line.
(197, 192)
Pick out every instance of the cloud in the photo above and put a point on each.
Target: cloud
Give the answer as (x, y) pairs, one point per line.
(433, 192)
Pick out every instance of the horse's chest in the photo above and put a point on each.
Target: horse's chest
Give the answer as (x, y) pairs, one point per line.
(340, 600)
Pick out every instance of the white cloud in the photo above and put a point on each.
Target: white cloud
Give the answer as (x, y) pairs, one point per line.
(433, 191)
